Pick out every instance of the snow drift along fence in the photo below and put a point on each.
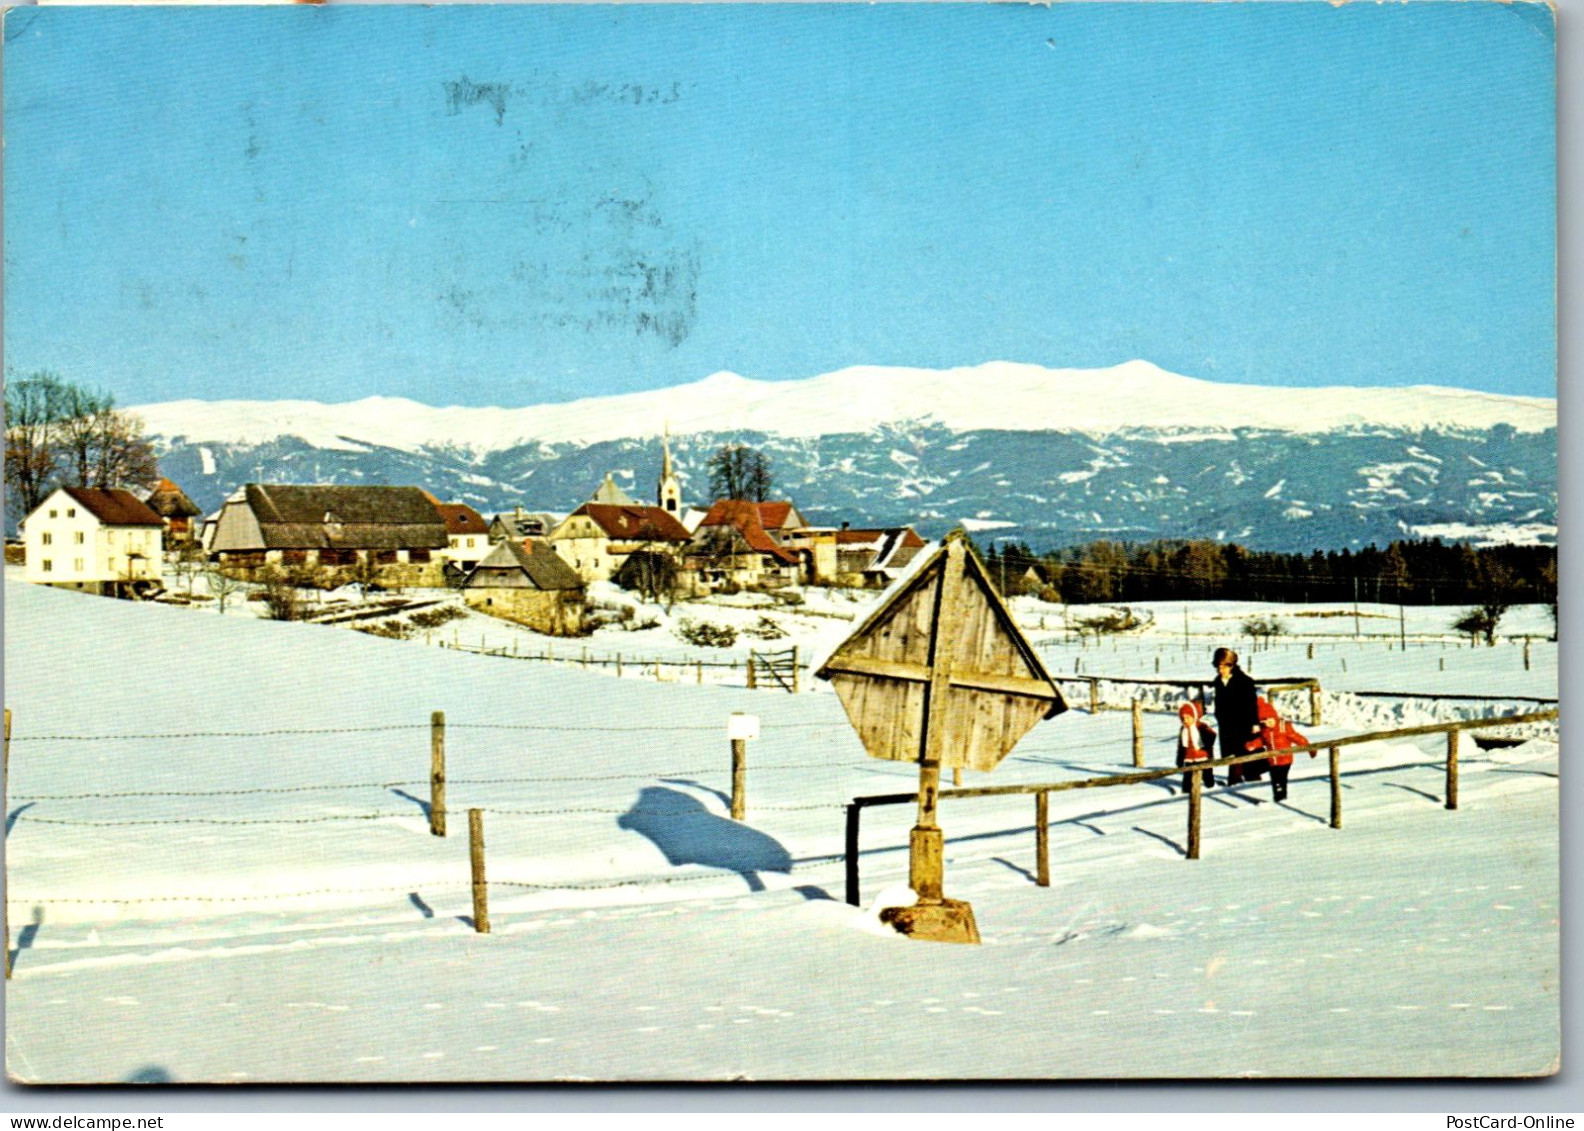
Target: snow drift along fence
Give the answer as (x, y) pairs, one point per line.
(1043, 791)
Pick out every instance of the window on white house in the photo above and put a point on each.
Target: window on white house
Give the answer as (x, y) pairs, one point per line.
(47, 538)
(71, 512)
(46, 566)
(78, 538)
(77, 565)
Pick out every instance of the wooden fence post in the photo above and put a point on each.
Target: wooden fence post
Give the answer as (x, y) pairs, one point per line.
(1336, 786)
(1314, 703)
(437, 809)
(481, 922)
(1138, 734)
(753, 682)
(699, 665)
(1094, 696)
(618, 665)
(1526, 653)
(739, 796)
(795, 665)
(1195, 803)
(657, 671)
(854, 810)
(1452, 770)
(1042, 838)
(1310, 653)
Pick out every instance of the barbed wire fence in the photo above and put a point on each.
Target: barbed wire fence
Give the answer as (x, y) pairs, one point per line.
(817, 730)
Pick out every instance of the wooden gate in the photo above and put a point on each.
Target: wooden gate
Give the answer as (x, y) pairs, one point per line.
(774, 669)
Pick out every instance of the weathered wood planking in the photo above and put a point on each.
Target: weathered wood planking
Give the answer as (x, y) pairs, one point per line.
(997, 689)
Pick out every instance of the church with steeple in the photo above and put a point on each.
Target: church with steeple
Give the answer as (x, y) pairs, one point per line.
(668, 491)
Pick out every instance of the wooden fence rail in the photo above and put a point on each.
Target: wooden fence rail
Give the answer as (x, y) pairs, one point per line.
(1043, 790)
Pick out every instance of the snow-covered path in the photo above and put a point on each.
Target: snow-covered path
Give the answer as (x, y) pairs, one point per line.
(251, 905)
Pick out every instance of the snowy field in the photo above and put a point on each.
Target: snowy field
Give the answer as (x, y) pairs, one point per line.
(220, 866)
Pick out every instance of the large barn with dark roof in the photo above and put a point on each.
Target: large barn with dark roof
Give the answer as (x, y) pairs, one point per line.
(397, 529)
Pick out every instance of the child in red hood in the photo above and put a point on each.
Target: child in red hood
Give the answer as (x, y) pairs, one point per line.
(1195, 742)
(1278, 736)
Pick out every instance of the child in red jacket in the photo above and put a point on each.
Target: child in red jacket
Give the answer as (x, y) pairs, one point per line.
(1195, 742)
(1278, 736)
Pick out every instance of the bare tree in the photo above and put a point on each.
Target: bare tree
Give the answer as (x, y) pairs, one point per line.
(57, 432)
(222, 585)
(188, 561)
(652, 573)
(33, 407)
(82, 416)
(737, 471)
(123, 456)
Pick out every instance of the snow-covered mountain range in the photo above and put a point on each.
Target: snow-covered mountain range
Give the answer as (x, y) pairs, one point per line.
(1051, 456)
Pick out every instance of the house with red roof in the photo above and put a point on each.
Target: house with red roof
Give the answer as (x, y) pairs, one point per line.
(467, 534)
(744, 545)
(98, 539)
(171, 503)
(873, 558)
(597, 538)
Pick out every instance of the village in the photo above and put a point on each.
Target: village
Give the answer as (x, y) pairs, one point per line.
(286, 545)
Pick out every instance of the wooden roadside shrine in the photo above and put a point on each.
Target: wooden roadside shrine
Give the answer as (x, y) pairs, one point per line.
(939, 674)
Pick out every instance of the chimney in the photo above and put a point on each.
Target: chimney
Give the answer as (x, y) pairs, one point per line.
(844, 526)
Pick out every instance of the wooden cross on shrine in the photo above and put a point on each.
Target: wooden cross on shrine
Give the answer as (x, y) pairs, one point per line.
(940, 674)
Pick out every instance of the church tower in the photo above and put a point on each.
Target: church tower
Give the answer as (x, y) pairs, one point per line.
(668, 492)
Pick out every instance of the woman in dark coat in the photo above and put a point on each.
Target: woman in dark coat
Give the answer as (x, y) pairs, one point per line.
(1236, 712)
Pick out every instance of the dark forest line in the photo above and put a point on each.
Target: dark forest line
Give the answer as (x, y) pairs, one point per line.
(1426, 572)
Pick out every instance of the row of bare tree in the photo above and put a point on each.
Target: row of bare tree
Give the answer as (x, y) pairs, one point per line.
(58, 434)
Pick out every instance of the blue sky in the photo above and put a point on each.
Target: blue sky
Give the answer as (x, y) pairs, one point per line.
(504, 205)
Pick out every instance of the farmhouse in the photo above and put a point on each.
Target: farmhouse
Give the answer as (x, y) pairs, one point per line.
(97, 539)
(519, 525)
(467, 538)
(873, 558)
(394, 531)
(597, 537)
(737, 546)
(528, 584)
(178, 511)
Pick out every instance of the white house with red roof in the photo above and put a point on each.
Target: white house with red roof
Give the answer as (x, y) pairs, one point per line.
(597, 538)
(97, 539)
(467, 534)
